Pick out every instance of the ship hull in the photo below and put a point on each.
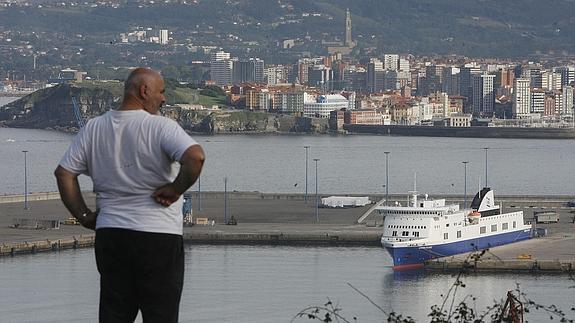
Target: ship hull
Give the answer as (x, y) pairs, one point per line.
(414, 257)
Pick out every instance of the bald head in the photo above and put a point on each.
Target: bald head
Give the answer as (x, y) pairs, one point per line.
(144, 89)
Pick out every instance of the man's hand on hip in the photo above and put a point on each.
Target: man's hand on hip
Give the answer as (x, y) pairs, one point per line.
(166, 195)
(88, 220)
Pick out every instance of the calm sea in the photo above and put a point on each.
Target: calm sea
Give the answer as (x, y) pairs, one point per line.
(347, 164)
(263, 284)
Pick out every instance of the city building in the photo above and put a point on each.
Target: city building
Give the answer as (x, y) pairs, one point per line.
(567, 74)
(391, 62)
(288, 102)
(372, 117)
(375, 76)
(567, 104)
(483, 94)
(538, 101)
(258, 99)
(163, 36)
(251, 70)
(450, 77)
(221, 67)
(465, 85)
(521, 98)
(460, 120)
(324, 104)
(432, 84)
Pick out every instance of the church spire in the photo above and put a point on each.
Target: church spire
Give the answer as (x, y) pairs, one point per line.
(348, 39)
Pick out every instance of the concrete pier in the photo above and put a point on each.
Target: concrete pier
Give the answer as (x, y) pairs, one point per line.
(287, 219)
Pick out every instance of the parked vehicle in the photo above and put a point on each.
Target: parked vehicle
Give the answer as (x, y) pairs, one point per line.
(546, 217)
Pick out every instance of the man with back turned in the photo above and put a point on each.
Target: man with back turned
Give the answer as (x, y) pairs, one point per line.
(132, 156)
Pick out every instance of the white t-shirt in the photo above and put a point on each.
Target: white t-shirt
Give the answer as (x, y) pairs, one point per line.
(128, 155)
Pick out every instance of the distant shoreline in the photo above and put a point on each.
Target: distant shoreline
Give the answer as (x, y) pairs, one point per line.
(465, 132)
(395, 130)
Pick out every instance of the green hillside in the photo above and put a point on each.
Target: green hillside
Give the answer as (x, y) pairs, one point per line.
(470, 27)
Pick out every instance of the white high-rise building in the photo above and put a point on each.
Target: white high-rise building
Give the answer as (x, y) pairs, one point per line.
(550, 80)
(521, 98)
(391, 62)
(163, 36)
(403, 65)
(221, 67)
(538, 101)
(568, 97)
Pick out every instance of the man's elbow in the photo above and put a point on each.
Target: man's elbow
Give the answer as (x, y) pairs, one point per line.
(194, 156)
(61, 173)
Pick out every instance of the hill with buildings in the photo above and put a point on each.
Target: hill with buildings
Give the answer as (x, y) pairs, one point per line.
(512, 28)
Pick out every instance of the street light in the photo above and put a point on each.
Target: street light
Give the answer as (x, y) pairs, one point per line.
(225, 200)
(199, 193)
(465, 184)
(386, 176)
(25, 180)
(306, 152)
(316, 196)
(486, 166)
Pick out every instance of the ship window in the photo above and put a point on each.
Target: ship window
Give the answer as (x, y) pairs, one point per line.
(405, 233)
(394, 234)
(505, 226)
(459, 234)
(514, 225)
(446, 236)
(415, 234)
(493, 227)
(482, 230)
(447, 224)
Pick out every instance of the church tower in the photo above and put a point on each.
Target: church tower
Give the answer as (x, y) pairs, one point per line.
(348, 41)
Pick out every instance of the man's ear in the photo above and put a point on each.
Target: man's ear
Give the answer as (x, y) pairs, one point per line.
(144, 91)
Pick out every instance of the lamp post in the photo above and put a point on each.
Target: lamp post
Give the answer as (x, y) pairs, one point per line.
(225, 200)
(199, 193)
(386, 176)
(486, 148)
(25, 180)
(306, 154)
(465, 184)
(316, 195)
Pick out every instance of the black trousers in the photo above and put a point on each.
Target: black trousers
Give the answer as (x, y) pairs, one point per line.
(139, 271)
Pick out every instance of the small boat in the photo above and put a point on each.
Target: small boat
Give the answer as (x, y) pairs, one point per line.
(10, 140)
(429, 228)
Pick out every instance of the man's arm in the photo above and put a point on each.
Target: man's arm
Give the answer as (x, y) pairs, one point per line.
(73, 199)
(191, 166)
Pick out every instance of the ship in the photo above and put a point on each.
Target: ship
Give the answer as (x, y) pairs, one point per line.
(429, 228)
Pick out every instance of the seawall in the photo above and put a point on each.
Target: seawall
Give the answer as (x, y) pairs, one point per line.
(468, 132)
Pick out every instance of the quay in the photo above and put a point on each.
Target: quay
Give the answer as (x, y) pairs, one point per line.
(287, 219)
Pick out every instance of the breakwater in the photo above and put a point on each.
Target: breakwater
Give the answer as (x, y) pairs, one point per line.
(466, 132)
(507, 265)
(12, 249)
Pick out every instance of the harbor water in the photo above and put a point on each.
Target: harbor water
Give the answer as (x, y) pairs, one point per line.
(347, 164)
(264, 284)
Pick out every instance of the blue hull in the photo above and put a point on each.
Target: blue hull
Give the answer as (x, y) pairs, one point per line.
(412, 257)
